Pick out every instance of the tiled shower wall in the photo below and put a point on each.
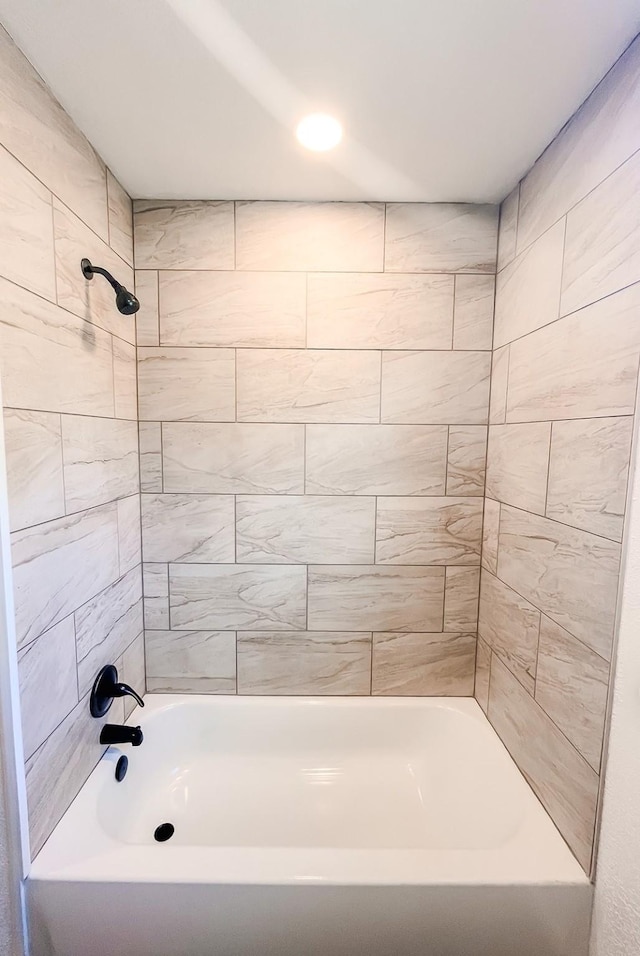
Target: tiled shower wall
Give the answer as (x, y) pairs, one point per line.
(313, 401)
(67, 361)
(563, 395)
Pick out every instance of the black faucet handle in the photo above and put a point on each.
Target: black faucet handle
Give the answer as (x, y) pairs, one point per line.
(123, 690)
(105, 688)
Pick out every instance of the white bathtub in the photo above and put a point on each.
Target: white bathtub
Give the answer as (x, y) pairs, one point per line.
(305, 826)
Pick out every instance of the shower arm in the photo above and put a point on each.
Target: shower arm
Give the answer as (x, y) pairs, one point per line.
(89, 270)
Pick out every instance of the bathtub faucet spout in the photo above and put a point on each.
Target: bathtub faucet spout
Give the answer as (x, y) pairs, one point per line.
(120, 734)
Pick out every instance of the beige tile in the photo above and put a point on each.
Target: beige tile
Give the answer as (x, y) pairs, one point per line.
(230, 597)
(129, 533)
(131, 670)
(441, 237)
(204, 660)
(507, 233)
(186, 384)
(462, 587)
(33, 448)
(466, 459)
(588, 474)
(375, 598)
(125, 380)
(183, 235)
(368, 460)
(572, 576)
(517, 464)
(571, 686)
(490, 530)
(499, 383)
(148, 318)
(510, 626)
(150, 437)
(26, 229)
(242, 309)
(564, 782)
(352, 311)
(188, 528)
(429, 531)
(296, 385)
(233, 459)
(304, 662)
(120, 219)
(310, 237)
(423, 665)
(155, 587)
(473, 316)
(100, 460)
(191, 685)
(483, 674)
(584, 366)
(308, 529)
(433, 388)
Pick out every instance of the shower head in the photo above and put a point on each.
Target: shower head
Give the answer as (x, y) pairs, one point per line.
(126, 301)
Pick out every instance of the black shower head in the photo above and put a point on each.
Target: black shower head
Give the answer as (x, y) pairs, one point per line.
(126, 301)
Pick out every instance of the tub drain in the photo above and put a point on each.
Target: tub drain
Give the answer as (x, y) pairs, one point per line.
(164, 832)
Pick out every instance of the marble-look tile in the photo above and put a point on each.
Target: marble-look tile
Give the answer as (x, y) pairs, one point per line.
(423, 665)
(240, 309)
(125, 380)
(352, 311)
(490, 531)
(310, 237)
(429, 531)
(571, 575)
(434, 388)
(510, 626)
(528, 289)
(150, 437)
(202, 661)
(183, 235)
(517, 464)
(120, 219)
(231, 597)
(48, 683)
(233, 458)
(148, 317)
(304, 662)
(499, 383)
(508, 230)
(441, 237)
(571, 686)
(100, 460)
(191, 685)
(33, 448)
(26, 229)
(90, 299)
(466, 459)
(375, 598)
(602, 252)
(483, 674)
(61, 564)
(186, 384)
(588, 474)
(473, 315)
(38, 132)
(298, 385)
(380, 460)
(462, 588)
(313, 530)
(106, 625)
(131, 670)
(189, 528)
(129, 533)
(155, 588)
(38, 341)
(583, 366)
(564, 782)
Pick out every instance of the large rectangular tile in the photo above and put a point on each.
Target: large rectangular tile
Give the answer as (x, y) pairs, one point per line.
(155, 587)
(473, 316)
(33, 448)
(129, 532)
(508, 230)
(358, 597)
(368, 311)
(192, 661)
(310, 237)
(564, 782)
(423, 665)
(433, 388)
(131, 670)
(231, 597)
(148, 317)
(570, 575)
(120, 219)
(240, 309)
(517, 464)
(298, 385)
(233, 459)
(429, 531)
(183, 234)
(466, 459)
(150, 438)
(125, 380)
(100, 460)
(441, 237)
(186, 384)
(313, 530)
(510, 626)
(490, 530)
(461, 592)
(188, 528)
(583, 366)
(499, 383)
(483, 674)
(376, 459)
(588, 473)
(304, 662)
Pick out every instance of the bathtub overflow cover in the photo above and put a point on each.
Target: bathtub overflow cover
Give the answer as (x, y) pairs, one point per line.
(164, 832)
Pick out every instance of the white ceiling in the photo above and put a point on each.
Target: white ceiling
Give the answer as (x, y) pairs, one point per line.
(440, 99)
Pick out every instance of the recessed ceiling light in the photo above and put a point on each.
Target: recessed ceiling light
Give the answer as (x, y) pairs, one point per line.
(319, 132)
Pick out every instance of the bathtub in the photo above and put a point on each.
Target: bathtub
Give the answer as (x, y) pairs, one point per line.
(309, 826)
